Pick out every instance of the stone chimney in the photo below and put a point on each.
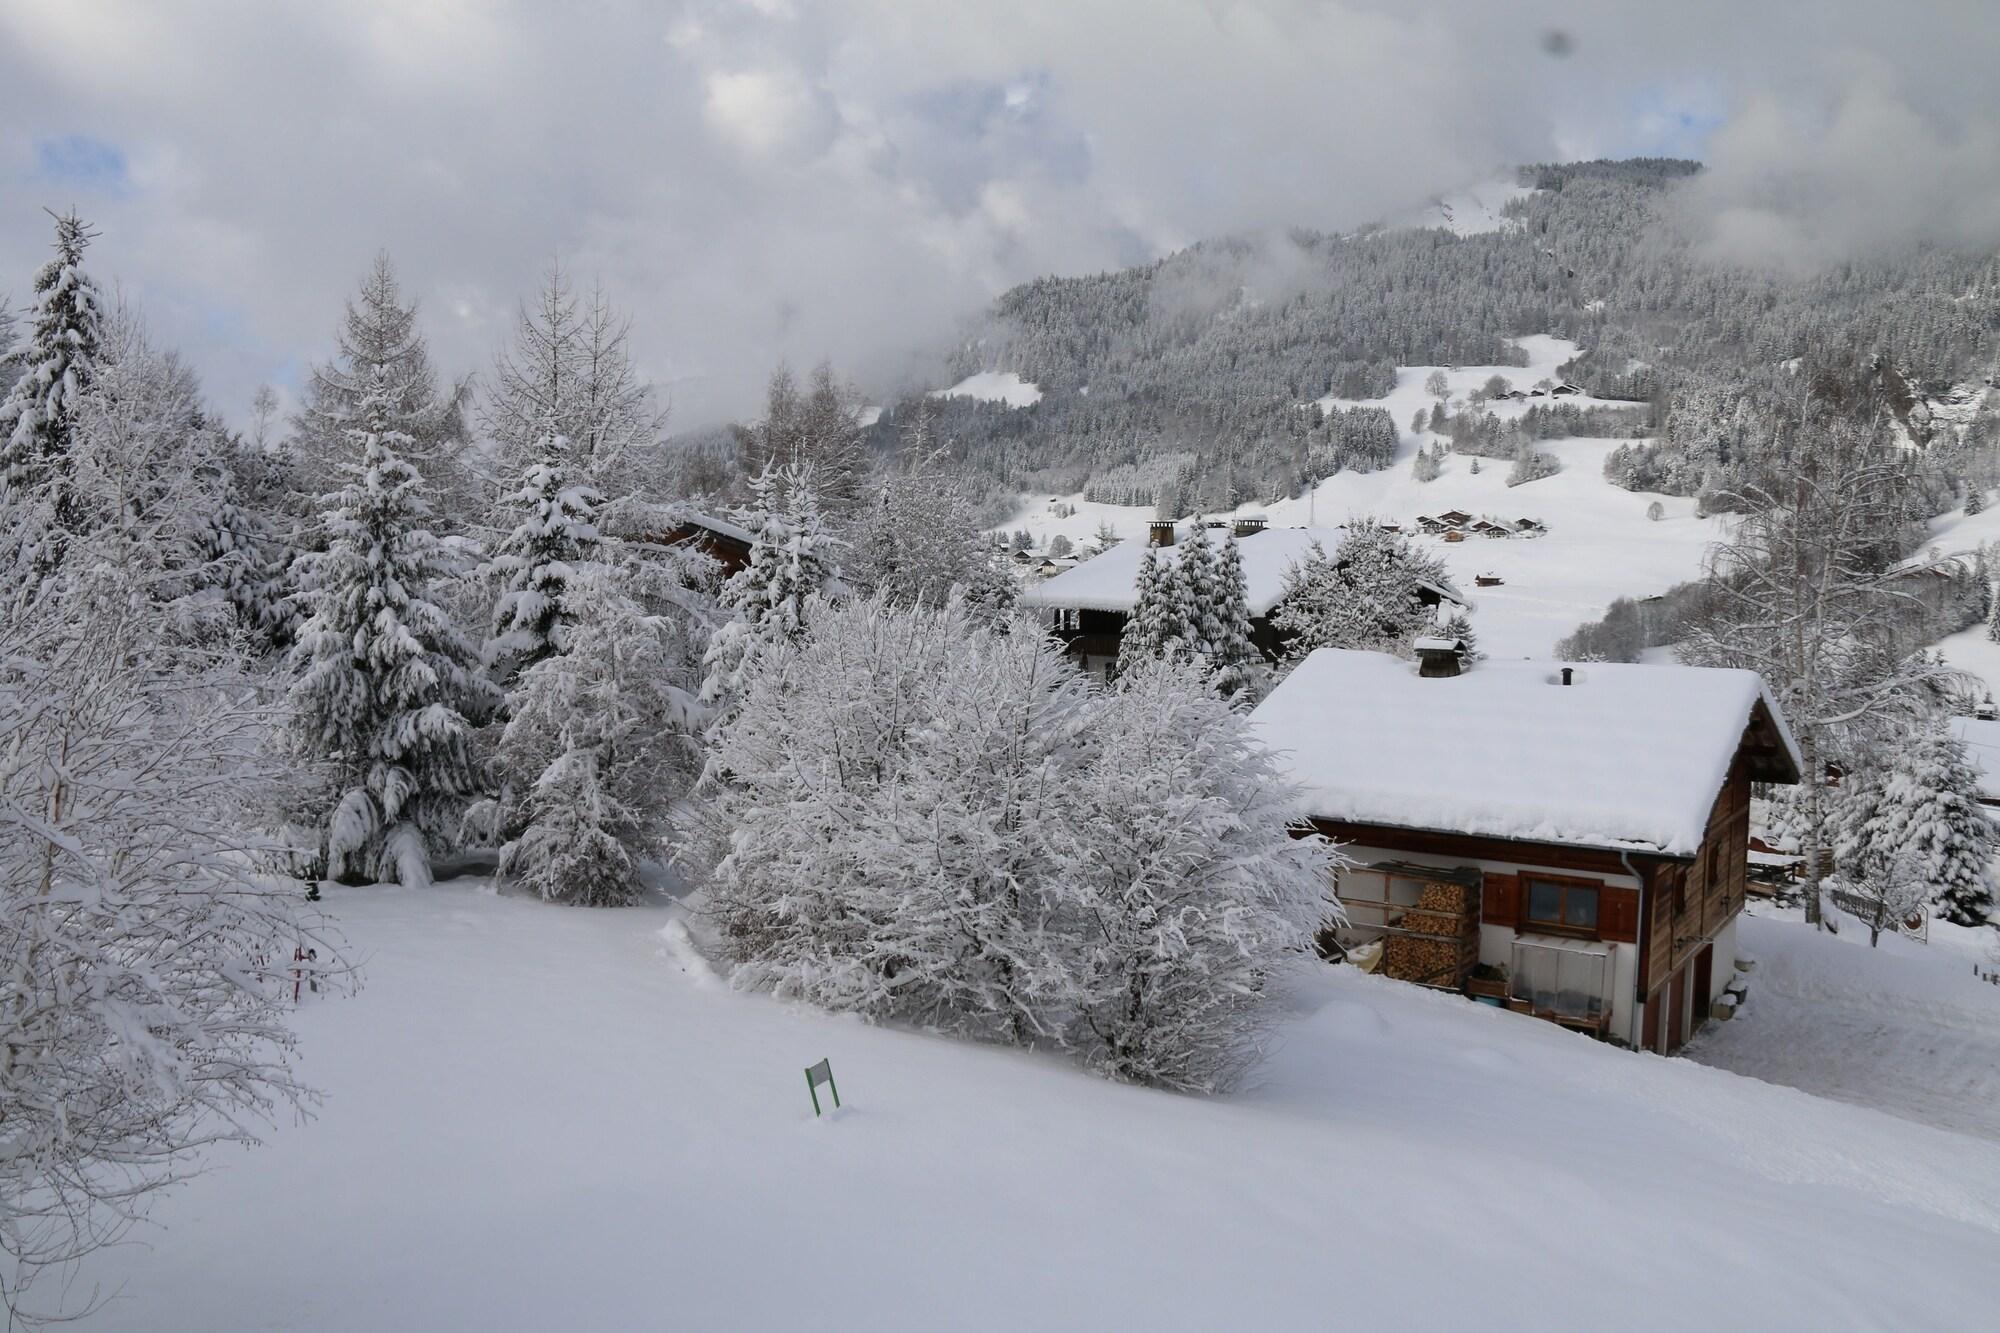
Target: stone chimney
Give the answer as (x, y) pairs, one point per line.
(1438, 657)
(1160, 532)
(1246, 526)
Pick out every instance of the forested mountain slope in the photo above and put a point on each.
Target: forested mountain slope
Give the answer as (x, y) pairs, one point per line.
(1183, 382)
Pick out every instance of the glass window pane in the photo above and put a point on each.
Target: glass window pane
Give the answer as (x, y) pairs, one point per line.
(1580, 908)
(1544, 901)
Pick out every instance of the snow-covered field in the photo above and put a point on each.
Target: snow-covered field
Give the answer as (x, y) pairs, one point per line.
(1600, 545)
(995, 386)
(1468, 212)
(1905, 1027)
(1969, 650)
(541, 1117)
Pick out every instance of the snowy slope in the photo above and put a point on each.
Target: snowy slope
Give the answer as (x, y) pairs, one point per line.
(1905, 1027)
(994, 386)
(1468, 212)
(1969, 650)
(540, 1117)
(1600, 545)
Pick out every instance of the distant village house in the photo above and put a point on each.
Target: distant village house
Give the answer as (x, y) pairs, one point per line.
(1089, 605)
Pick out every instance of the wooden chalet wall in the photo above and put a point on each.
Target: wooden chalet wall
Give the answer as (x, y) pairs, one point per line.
(1690, 906)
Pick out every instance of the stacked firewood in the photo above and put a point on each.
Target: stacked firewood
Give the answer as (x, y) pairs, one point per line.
(1442, 910)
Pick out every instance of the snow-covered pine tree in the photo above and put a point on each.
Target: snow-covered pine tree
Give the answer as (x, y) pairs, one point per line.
(792, 558)
(1238, 664)
(1182, 884)
(1975, 500)
(1929, 811)
(385, 684)
(253, 568)
(1992, 617)
(58, 359)
(600, 740)
(1459, 626)
(1201, 614)
(1367, 595)
(1161, 623)
(554, 536)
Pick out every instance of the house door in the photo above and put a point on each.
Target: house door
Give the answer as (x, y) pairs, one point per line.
(1704, 985)
(1677, 993)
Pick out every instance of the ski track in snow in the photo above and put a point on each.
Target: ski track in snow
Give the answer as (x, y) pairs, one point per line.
(540, 1117)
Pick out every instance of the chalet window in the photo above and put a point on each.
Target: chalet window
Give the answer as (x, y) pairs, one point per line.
(1553, 903)
(1680, 881)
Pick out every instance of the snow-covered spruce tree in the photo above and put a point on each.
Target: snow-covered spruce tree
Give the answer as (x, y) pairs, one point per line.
(1992, 617)
(554, 535)
(601, 738)
(58, 359)
(1459, 626)
(1182, 884)
(1928, 810)
(1235, 659)
(1159, 625)
(792, 558)
(1367, 594)
(1975, 500)
(378, 332)
(385, 683)
(253, 565)
(145, 965)
(1199, 595)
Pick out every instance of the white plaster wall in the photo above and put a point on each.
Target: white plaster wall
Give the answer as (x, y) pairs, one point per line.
(1725, 958)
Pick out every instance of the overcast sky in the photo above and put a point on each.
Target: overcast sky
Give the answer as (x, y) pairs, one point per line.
(757, 179)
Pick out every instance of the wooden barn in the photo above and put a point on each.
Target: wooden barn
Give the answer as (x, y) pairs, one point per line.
(1569, 841)
(1088, 606)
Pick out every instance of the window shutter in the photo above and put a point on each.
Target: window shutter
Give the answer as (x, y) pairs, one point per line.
(1501, 902)
(1618, 915)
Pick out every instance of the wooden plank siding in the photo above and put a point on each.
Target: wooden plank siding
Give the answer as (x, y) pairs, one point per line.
(1691, 902)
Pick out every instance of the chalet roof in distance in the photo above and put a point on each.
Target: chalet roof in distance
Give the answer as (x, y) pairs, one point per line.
(1629, 757)
(1110, 582)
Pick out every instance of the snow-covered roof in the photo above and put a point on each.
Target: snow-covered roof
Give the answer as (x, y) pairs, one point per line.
(1627, 757)
(1982, 747)
(720, 526)
(1110, 582)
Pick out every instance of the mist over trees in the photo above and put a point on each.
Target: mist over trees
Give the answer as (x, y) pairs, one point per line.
(1186, 383)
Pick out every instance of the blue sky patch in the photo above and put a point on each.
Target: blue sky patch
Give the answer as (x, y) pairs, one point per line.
(78, 159)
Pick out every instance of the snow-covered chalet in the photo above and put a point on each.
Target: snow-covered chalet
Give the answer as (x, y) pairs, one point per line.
(1088, 605)
(1569, 841)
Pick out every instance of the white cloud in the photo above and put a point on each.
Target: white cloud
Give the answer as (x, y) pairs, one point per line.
(758, 179)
